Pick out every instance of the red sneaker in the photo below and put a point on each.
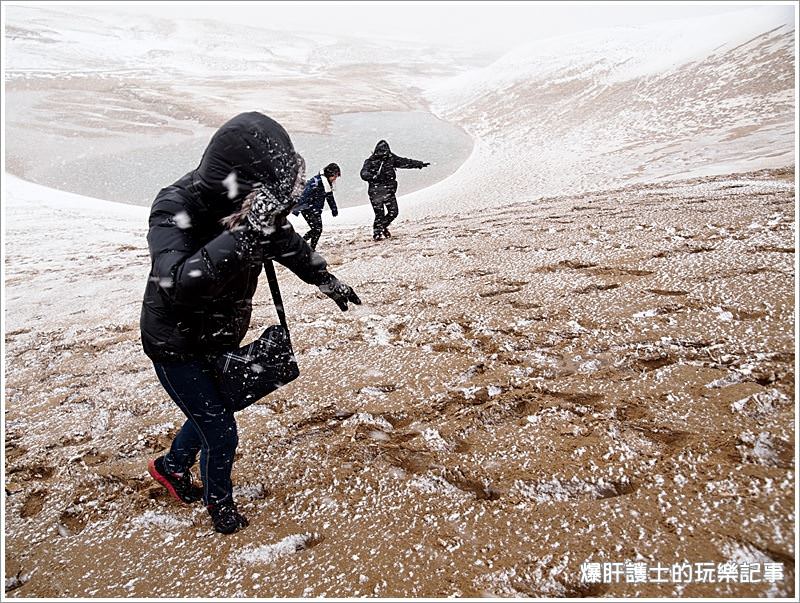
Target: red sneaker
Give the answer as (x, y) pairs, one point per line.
(180, 488)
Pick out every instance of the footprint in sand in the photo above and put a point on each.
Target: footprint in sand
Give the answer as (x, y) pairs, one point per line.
(481, 488)
(598, 287)
(566, 265)
(614, 271)
(33, 504)
(668, 292)
(13, 452)
(71, 521)
(773, 249)
(505, 288)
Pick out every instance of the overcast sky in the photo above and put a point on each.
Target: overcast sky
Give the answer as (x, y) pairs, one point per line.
(493, 25)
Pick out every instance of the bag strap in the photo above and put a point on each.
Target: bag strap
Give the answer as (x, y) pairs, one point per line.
(272, 279)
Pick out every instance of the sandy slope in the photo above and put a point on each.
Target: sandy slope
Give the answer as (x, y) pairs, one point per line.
(601, 377)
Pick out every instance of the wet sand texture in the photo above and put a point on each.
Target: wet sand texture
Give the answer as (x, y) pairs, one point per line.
(604, 376)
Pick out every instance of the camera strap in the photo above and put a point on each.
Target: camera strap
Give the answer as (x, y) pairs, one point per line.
(272, 279)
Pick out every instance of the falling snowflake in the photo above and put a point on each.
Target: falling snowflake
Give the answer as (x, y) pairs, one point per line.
(182, 220)
(232, 185)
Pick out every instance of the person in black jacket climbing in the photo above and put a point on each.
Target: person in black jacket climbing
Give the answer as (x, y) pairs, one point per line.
(203, 275)
(379, 171)
(318, 190)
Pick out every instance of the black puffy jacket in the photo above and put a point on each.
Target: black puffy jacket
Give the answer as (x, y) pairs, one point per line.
(379, 168)
(202, 278)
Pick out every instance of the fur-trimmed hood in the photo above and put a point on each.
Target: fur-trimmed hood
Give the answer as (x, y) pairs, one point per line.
(249, 150)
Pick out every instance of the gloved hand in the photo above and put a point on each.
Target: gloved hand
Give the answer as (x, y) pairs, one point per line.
(339, 292)
(335, 212)
(266, 211)
(423, 164)
(260, 213)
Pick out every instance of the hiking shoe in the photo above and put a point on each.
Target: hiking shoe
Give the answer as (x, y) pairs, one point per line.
(377, 236)
(386, 233)
(180, 488)
(226, 518)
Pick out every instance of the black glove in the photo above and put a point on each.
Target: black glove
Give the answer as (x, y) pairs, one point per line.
(339, 292)
(335, 212)
(260, 215)
(423, 164)
(266, 211)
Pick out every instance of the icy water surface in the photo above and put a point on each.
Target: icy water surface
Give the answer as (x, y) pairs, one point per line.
(137, 174)
(416, 135)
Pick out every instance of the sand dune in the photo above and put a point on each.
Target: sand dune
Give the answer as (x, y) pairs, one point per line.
(605, 376)
(579, 348)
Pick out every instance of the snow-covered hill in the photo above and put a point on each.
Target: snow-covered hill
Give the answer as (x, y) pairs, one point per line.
(613, 106)
(581, 112)
(55, 40)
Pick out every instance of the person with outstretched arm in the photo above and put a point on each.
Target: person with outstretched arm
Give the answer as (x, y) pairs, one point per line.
(379, 171)
(198, 298)
(317, 191)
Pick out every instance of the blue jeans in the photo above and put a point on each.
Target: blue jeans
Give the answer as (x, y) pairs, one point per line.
(210, 428)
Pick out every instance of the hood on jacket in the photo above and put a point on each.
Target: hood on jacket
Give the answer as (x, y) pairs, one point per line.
(257, 150)
(382, 149)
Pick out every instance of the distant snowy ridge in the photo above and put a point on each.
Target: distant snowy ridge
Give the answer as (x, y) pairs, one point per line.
(584, 112)
(597, 110)
(163, 47)
(616, 54)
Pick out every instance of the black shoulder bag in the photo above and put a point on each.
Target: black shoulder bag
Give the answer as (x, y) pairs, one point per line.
(248, 374)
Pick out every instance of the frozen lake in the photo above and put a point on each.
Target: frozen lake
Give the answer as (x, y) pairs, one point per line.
(136, 174)
(416, 135)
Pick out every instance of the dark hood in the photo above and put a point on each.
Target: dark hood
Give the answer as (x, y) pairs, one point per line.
(382, 149)
(257, 149)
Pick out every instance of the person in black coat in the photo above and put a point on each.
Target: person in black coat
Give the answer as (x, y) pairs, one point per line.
(379, 171)
(198, 298)
(317, 191)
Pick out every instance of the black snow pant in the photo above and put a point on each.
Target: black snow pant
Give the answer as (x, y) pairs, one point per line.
(314, 220)
(384, 204)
